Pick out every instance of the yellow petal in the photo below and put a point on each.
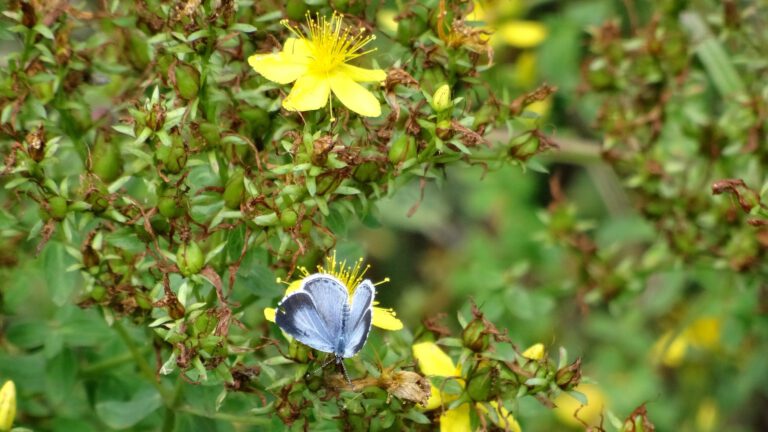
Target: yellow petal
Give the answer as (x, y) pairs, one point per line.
(385, 18)
(354, 96)
(590, 413)
(433, 361)
(704, 333)
(294, 286)
(362, 74)
(435, 399)
(522, 34)
(269, 314)
(456, 420)
(278, 67)
(505, 418)
(385, 318)
(296, 47)
(670, 349)
(309, 93)
(534, 352)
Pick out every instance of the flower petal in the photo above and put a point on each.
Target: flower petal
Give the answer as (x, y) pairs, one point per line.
(385, 318)
(296, 47)
(278, 67)
(503, 418)
(269, 314)
(523, 34)
(354, 96)
(362, 74)
(309, 93)
(435, 399)
(456, 420)
(534, 352)
(433, 360)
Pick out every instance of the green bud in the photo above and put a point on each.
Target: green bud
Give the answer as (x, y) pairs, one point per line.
(96, 194)
(441, 100)
(210, 133)
(298, 352)
(475, 337)
(170, 207)
(203, 325)
(354, 406)
(234, 190)
(367, 172)
(57, 207)
(402, 149)
(107, 162)
(569, 376)
(190, 259)
(155, 118)
(483, 382)
(173, 157)
(98, 292)
(288, 218)
(187, 80)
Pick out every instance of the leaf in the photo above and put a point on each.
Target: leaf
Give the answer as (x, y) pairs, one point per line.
(60, 283)
(60, 374)
(124, 414)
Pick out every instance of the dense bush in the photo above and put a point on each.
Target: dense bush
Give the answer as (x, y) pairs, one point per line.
(173, 167)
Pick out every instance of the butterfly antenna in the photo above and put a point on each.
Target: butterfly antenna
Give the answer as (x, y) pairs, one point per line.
(322, 366)
(344, 370)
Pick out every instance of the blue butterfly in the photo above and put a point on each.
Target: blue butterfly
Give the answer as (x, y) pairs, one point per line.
(319, 315)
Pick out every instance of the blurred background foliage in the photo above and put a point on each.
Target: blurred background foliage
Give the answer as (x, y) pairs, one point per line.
(637, 245)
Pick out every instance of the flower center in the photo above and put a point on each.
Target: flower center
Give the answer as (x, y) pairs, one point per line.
(329, 45)
(349, 275)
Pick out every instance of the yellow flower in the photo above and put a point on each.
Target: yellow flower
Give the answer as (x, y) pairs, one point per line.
(566, 406)
(350, 276)
(317, 60)
(534, 352)
(703, 333)
(433, 361)
(517, 33)
(7, 405)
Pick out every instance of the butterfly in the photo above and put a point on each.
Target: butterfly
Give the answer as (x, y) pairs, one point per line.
(320, 315)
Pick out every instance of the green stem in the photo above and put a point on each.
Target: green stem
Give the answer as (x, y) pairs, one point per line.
(170, 411)
(97, 368)
(142, 363)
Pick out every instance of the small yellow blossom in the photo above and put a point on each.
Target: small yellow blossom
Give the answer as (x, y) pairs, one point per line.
(350, 276)
(317, 60)
(534, 352)
(670, 349)
(7, 405)
(566, 406)
(433, 361)
(517, 33)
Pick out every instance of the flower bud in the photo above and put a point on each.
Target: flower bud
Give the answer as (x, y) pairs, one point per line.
(288, 218)
(7, 405)
(106, 160)
(36, 144)
(402, 149)
(534, 352)
(234, 190)
(475, 337)
(173, 157)
(187, 83)
(298, 352)
(569, 376)
(155, 118)
(96, 194)
(483, 382)
(98, 292)
(169, 207)
(57, 207)
(441, 100)
(210, 133)
(190, 259)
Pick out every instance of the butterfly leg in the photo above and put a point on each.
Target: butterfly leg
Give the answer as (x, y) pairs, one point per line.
(340, 361)
(322, 366)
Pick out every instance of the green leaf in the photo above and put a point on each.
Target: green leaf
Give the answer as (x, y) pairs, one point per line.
(60, 283)
(124, 414)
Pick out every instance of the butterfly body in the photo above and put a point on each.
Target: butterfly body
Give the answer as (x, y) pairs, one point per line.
(320, 315)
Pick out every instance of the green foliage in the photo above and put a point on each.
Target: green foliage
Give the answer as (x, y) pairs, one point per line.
(157, 195)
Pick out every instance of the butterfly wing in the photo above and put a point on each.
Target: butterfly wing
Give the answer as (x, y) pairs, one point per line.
(330, 297)
(358, 325)
(298, 316)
